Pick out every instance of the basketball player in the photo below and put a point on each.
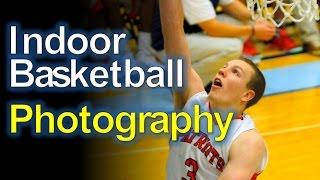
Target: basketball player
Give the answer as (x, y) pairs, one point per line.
(238, 85)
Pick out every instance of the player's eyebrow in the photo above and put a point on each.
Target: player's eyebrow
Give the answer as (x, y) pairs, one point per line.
(238, 67)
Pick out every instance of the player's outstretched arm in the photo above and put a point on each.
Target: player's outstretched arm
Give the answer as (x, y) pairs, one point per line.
(175, 44)
(245, 156)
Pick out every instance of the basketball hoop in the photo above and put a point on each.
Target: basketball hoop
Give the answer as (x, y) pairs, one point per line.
(294, 10)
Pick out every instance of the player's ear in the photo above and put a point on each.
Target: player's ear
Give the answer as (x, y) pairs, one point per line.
(248, 95)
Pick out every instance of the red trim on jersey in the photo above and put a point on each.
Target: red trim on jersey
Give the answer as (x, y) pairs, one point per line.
(240, 117)
(254, 177)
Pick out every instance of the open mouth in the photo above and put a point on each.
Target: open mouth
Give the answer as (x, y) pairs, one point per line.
(217, 82)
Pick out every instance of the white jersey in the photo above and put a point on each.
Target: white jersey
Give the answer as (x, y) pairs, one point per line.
(199, 156)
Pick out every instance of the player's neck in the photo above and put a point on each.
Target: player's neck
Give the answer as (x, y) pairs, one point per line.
(219, 107)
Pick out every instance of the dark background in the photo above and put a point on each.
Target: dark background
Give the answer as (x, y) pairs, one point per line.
(28, 157)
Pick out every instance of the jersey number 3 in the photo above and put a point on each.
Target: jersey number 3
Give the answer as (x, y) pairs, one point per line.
(194, 165)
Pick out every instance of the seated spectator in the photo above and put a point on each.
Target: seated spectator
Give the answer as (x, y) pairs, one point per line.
(310, 37)
(215, 39)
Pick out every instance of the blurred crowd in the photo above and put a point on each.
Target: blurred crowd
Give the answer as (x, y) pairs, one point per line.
(217, 31)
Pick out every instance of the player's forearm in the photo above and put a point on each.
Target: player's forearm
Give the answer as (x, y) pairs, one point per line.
(171, 18)
(175, 42)
(172, 29)
(221, 29)
(237, 10)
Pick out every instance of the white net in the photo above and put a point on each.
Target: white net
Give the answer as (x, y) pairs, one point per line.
(292, 10)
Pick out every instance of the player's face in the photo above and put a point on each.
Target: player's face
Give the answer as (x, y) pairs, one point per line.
(229, 86)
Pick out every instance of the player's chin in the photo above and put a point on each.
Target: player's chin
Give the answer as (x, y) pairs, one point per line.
(214, 91)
